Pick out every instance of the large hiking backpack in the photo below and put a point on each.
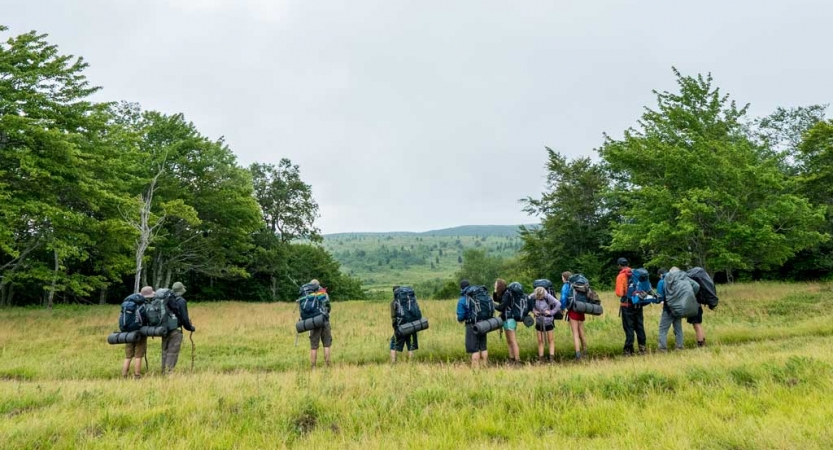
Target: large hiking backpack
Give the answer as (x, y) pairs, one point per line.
(640, 291)
(681, 294)
(707, 294)
(311, 304)
(407, 308)
(156, 311)
(547, 285)
(518, 308)
(582, 299)
(131, 317)
(480, 304)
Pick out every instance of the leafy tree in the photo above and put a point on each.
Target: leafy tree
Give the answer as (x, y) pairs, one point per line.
(697, 191)
(286, 201)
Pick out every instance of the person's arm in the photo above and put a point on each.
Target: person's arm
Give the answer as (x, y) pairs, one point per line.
(565, 294)
(661, 290)
(185, 321)
(462, 310)
(504, 302)
(555, 306)
(393, 313)
(621, 285)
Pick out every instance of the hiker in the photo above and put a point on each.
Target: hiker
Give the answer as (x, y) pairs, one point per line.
(667, 318)
(632, 318)
(320, 301)
(137, 349)
(697, 323)
(403, 309)
(172, 341)
(503, 298)
(576, 319)
(476, 344)
(546, 307)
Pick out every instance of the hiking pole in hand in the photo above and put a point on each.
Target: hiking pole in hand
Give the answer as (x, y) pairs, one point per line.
(193, 348)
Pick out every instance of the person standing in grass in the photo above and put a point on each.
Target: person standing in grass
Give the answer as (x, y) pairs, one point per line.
(323, 335)
(632, 318)
(576, 318)
(138, 349)
(476, 344)
(667, 318)
(546, 306)
(503, 299)
(400, 313)
(172, 341)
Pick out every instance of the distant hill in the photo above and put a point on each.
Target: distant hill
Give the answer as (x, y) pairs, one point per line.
(380, 260)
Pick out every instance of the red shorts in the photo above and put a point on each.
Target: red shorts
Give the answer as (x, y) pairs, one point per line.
(575, 316)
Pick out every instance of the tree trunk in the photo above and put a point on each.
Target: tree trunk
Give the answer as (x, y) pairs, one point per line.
(10, 295)
(729, 278)
(50, 300)
(102, 296)
(274, 287)
(168, 275)
(3, 290)
(143, 280)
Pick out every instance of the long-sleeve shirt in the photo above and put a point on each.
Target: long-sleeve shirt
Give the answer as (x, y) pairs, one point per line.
(180, 310)
(546, 308)
(622, 282)
(462, 308)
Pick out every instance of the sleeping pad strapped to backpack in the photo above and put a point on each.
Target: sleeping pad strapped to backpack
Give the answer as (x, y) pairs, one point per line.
(311, 304)
(407, 308)
(681, 294)
(708, 294)
(582, 299)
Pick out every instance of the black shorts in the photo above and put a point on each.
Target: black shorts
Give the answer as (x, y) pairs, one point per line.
(694, 320)
(474, 342)
(549, 327)
(398, 343)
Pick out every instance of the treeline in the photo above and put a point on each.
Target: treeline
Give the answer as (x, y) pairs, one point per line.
(696, 183)
(97, 199)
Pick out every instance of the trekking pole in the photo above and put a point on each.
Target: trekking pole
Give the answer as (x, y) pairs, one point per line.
(193, 349)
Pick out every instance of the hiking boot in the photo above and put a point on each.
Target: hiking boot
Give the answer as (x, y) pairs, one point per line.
(701, 343)
(643, 350)
(540, 360)
(137, 376)
(549, 358)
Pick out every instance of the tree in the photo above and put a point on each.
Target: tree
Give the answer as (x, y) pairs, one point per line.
(286, 201)
(696, 190)
(575, 216)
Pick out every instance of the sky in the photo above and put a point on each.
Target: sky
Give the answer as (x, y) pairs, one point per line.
(418, 115)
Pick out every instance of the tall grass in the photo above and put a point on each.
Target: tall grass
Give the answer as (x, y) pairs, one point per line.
(763, 382)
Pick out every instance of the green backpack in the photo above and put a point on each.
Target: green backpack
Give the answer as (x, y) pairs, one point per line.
(158, 313)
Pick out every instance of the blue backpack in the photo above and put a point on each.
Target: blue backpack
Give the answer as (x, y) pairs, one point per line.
(640, 290)
(407, 308)
(311, 304)
(132, 315)
(480, 304)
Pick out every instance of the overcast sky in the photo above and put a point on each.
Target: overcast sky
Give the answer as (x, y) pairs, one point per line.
(415, 115)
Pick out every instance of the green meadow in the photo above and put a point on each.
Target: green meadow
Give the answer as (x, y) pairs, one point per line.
(763, 381)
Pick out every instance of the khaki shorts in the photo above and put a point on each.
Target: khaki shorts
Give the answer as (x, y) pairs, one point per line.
(136, 349)
(318, 335)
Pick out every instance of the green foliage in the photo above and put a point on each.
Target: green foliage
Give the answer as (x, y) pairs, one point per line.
(696, 190)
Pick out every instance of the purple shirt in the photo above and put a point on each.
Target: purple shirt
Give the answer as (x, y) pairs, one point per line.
(546, 304)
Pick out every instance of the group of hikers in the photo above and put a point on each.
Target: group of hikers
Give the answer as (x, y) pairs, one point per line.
(162, 313)
(682, 295)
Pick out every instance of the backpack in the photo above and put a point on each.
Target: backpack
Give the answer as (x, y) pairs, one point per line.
(158, 313)
(681, 294)
(640, 290)
(580, 292)
(407, 308)
(311, 304)
(519, 307)
(547, 285)
(131, 317)
(480, 304)
(707, 294)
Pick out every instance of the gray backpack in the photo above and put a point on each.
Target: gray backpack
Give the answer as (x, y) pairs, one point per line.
(681, 294)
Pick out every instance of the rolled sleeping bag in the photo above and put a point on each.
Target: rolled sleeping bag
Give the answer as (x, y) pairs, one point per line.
(154, 331)
(587, 308)
(311, 324)
(485, 326)
(529, 321)
(124, 337)
(407, 329)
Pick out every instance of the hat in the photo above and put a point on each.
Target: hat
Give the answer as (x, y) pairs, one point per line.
(147, 292)
(464, 284)
(178, 288)
(622, 262)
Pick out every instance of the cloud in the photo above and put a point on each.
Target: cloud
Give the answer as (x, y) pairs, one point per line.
(263, 10)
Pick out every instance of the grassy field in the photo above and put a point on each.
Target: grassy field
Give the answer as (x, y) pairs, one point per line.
(763, 381)
(381, 260)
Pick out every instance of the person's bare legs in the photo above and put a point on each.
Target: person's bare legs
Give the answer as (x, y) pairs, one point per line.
(512, 342)
(410, 355)
(313, 356)
(393, 356)
(475, 359)
(576, 330)
(540, 336)
(583, 337)
(701, 334)
(550, 336)
(327, 355)
(138, 367)
(125, 368)
(484, 358)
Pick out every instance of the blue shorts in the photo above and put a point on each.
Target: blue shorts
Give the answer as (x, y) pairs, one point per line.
(510, 325)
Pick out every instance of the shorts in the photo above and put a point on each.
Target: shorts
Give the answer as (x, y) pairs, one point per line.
(541, 327)
(698, 319)
(398, 343)
(510, 325)
(474, 342)
(136, 349)
(578, 317)
(323, 334)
